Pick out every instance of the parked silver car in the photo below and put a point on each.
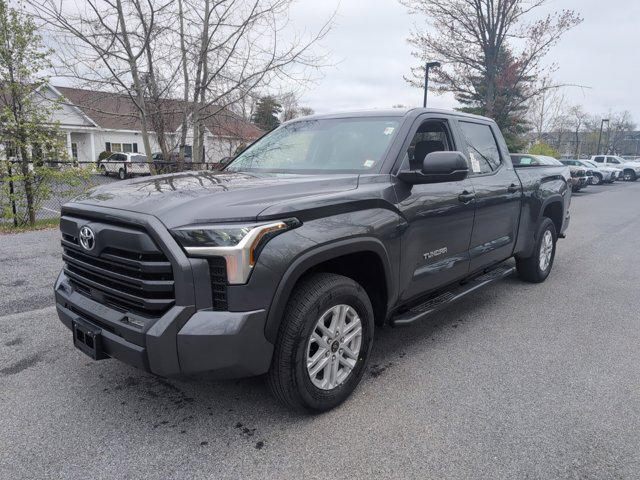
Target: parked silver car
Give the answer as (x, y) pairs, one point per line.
(601, 173)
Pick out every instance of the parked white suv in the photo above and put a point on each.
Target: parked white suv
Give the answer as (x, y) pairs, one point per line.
(630, 170)
(125, 165)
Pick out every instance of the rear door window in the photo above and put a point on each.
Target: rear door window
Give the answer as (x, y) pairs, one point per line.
(484, 155)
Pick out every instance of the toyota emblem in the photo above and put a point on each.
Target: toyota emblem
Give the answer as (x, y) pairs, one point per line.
(87, 238)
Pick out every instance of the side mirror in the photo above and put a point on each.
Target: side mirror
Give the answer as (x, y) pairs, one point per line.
(438, 167)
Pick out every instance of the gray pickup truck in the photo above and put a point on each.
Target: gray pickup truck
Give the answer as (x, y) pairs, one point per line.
(282, 263)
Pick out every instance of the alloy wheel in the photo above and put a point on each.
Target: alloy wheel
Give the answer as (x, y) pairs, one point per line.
(546, 250)
(334, 347)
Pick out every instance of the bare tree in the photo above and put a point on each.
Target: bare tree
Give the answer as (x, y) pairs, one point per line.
(546, 109)
(209, 54)
(239, 50)
(620, 126)
(291, 107)
(99, 42)
(491, 53)
(576, 118)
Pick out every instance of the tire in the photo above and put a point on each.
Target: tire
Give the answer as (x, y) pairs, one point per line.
(596, 180)
(103, 170)
(122, 175)
(289, 378)
(530, 269)
(630, 176)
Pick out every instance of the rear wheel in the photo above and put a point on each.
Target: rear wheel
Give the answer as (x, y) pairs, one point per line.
(630, 175)
(596, 180)
(537, 267)
(323, 344)
(122, 175)
(103, 170)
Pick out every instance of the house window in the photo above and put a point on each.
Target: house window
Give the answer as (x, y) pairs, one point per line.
(9, 150)
(121, 147)
(74, 150)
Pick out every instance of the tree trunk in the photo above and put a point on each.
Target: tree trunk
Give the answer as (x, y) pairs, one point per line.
(185, 97)
(28, 184)
(200, 86)
(137, 84)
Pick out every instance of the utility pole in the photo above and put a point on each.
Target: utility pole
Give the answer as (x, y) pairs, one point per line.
(600, 136)
(428, 66)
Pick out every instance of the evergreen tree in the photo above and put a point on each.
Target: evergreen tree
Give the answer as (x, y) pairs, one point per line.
(266, 115)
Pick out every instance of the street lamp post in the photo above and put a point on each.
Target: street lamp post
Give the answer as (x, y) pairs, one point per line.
(600, 136)
(428, 66)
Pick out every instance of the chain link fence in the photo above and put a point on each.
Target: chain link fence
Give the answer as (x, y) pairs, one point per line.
(53, 183)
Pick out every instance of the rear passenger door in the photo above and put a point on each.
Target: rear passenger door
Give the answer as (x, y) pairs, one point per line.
(498, 193)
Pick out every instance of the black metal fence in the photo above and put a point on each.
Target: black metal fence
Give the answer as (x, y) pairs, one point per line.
(54, 183)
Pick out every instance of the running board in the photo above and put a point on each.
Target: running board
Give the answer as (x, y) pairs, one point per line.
(447, 298)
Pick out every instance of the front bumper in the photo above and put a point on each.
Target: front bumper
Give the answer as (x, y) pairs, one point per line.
(183, 341)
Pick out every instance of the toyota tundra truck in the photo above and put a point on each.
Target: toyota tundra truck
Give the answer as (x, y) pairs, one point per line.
(286, 261)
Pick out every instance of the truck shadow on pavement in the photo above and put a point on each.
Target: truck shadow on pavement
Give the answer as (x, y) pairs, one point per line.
(233, 411)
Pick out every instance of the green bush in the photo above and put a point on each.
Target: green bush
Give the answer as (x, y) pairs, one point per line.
(543, 148)
(103, 155)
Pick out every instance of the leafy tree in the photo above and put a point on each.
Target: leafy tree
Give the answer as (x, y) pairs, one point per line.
(543, 148)
(491, 54)
(26, 131)
(266, 113)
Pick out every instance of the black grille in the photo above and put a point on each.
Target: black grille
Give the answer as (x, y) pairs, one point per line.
(126, 280)
(218, 273)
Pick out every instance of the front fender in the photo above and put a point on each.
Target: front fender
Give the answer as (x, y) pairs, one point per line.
(316, 256)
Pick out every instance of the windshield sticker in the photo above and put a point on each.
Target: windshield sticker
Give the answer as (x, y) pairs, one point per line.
(389, 130)
(368, 163)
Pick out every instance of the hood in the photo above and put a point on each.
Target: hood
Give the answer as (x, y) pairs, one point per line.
(198, 197)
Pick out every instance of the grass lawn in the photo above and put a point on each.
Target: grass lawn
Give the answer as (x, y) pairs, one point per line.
(39, 225)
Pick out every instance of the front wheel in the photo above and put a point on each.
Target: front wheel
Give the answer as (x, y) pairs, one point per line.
(103, 170)
(537, 267)
(596, 179)
(323, 344)
(122, 175)
(630, 176)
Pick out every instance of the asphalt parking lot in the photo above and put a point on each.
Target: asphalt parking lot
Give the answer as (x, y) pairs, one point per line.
(517, 381)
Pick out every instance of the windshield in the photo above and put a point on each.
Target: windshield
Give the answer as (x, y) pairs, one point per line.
(334, 145)
(590, 164)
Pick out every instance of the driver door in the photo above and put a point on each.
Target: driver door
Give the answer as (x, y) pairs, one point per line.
(435, 240)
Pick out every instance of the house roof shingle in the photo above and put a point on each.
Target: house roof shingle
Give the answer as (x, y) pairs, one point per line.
(118, 112)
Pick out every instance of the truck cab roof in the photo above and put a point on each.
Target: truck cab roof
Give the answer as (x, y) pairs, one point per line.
(392, 112)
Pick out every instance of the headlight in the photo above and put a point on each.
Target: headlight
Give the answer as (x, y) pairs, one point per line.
(238, 244)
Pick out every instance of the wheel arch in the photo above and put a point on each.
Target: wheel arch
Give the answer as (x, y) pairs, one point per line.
(327, 255)
(553, 208)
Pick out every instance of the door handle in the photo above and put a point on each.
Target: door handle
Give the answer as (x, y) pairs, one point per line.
(513, 188)
(466, 197)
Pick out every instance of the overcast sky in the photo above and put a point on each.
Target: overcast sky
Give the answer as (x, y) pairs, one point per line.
(369, 41)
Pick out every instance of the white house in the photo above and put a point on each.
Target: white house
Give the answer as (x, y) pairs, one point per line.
(96, 121)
